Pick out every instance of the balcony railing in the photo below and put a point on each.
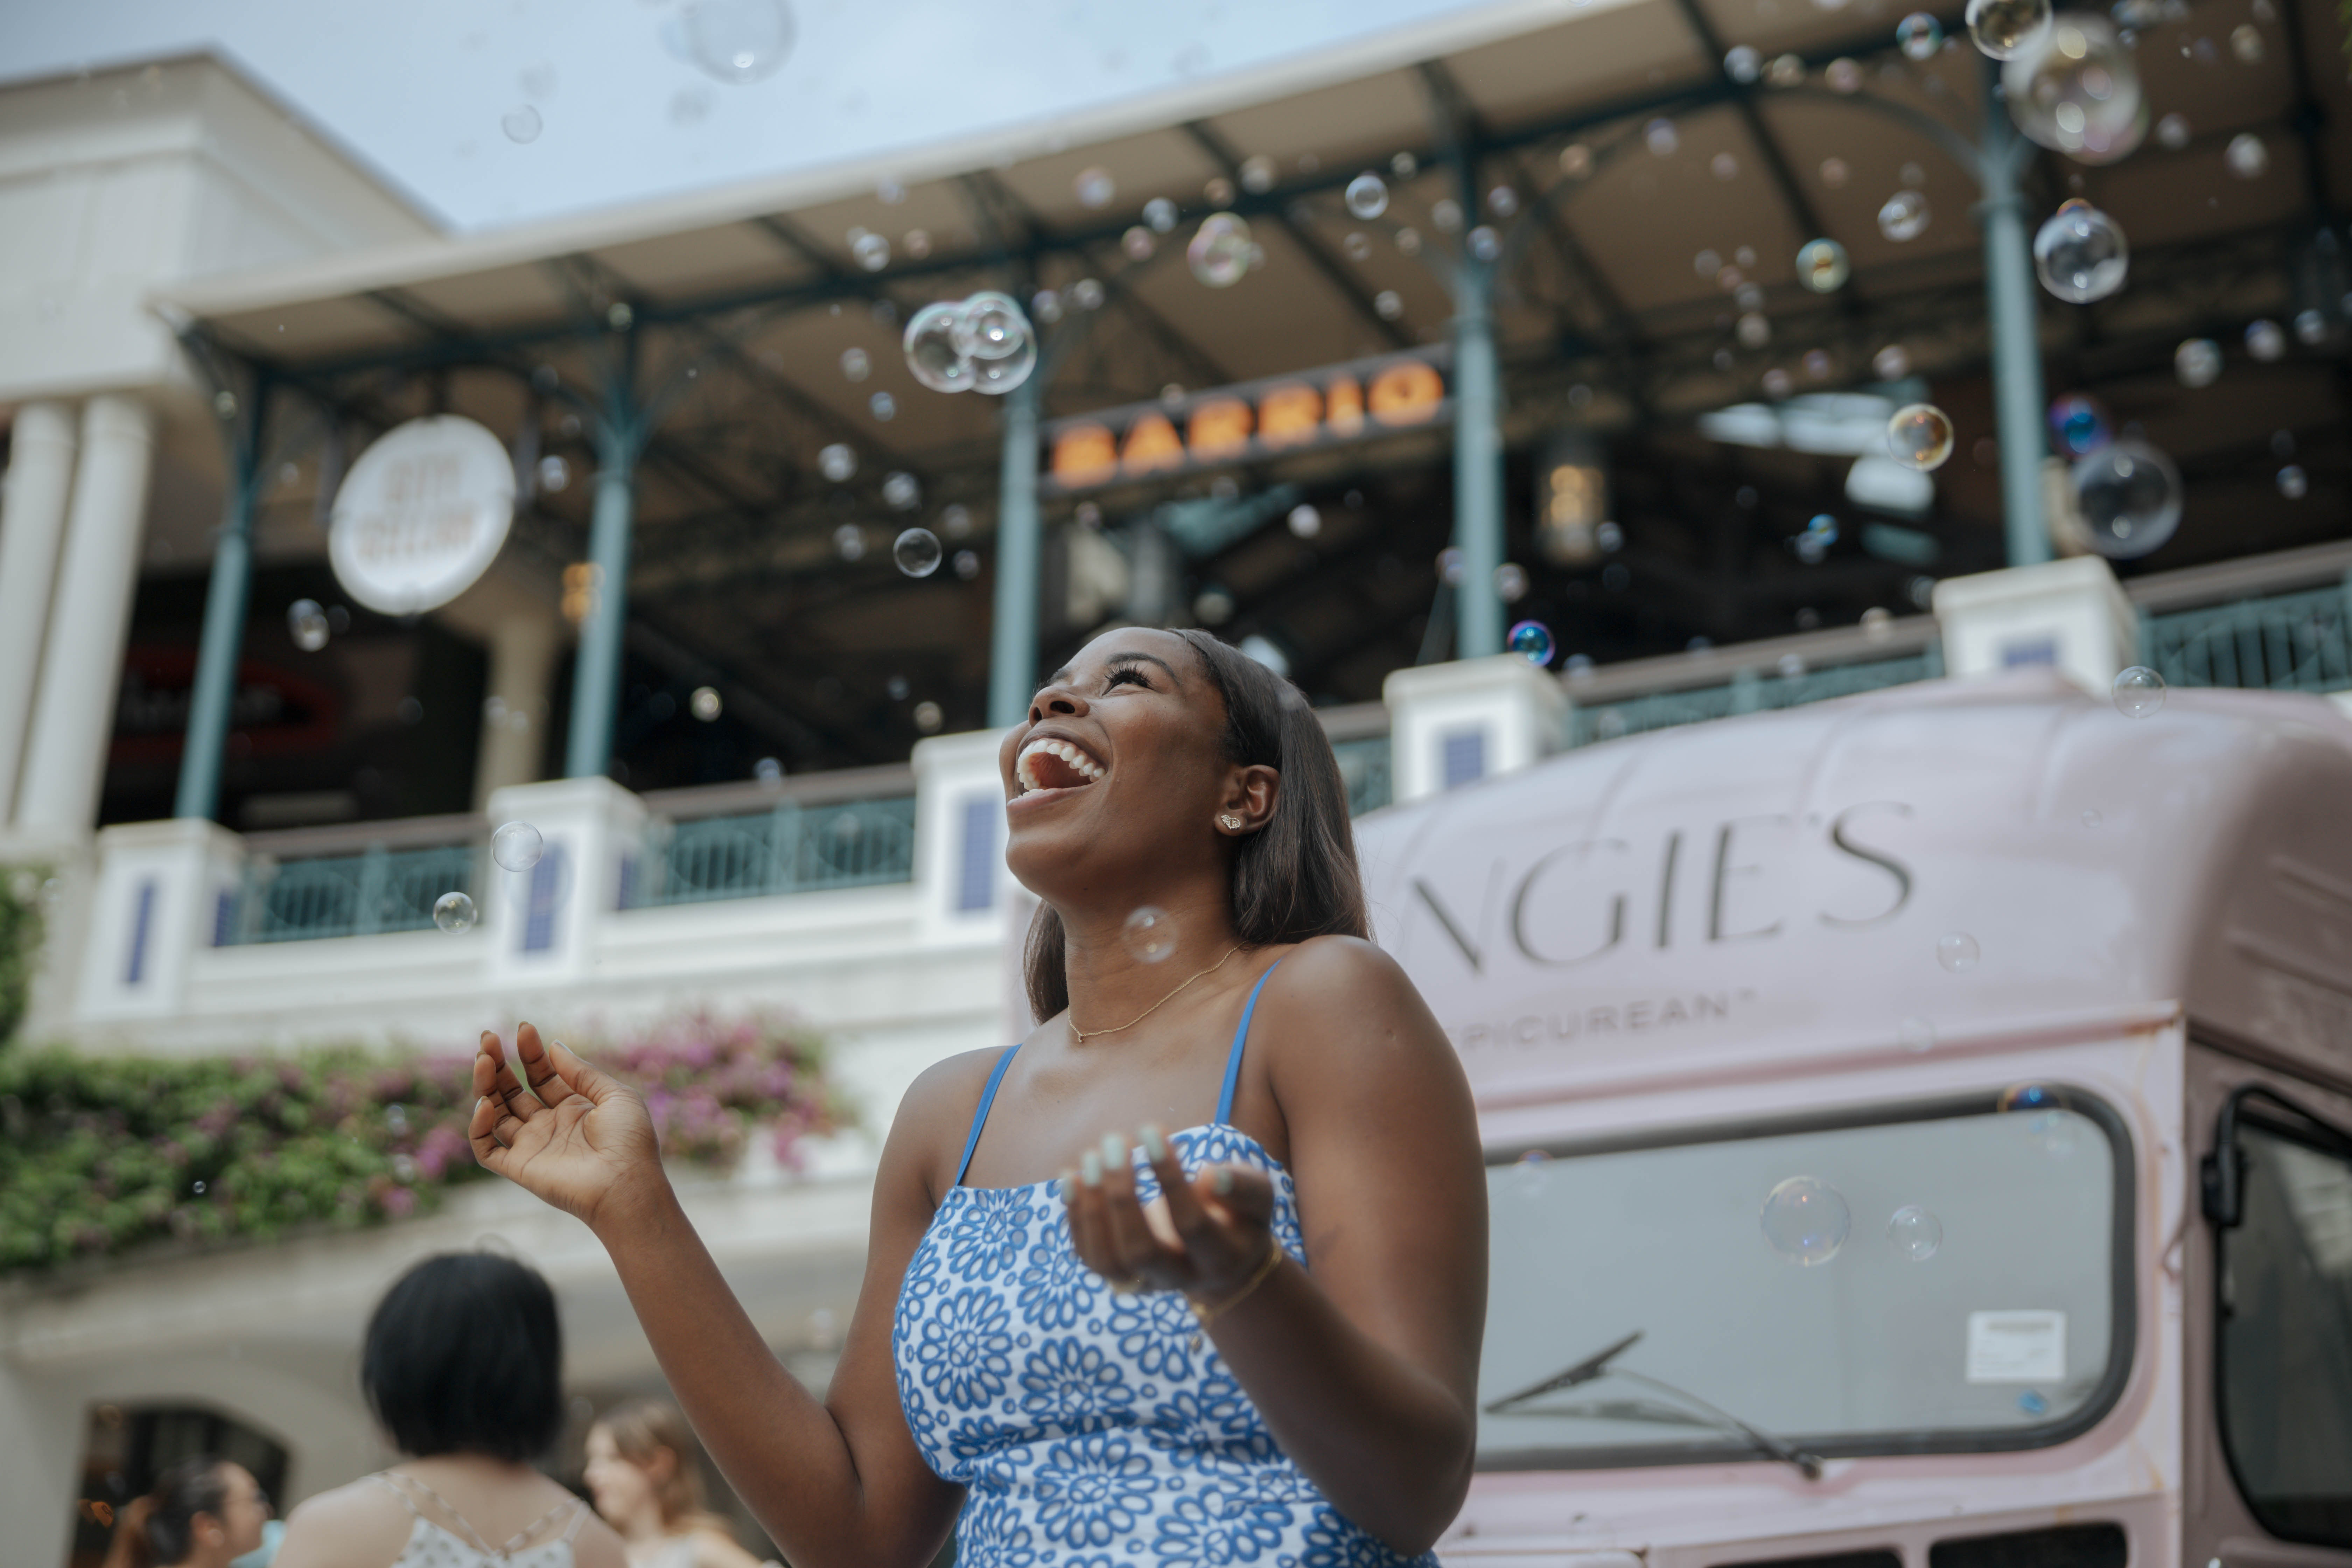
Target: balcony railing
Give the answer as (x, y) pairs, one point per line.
(2271, 624)
(792, 847)
(381, 888)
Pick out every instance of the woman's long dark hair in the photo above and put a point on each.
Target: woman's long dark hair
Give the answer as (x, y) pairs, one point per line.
(1296, 877)
(188, 1489)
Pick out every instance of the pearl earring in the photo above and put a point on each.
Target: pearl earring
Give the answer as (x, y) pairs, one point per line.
(1229, 822)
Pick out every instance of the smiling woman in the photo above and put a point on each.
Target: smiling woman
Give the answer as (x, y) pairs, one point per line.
(1253, 1338)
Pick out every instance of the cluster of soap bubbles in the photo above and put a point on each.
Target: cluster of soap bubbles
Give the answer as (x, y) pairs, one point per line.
(984, 343)
(1806, 1221)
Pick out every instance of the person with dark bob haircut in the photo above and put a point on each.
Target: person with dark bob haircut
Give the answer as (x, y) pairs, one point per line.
(1083, 1336)
(463, 1364)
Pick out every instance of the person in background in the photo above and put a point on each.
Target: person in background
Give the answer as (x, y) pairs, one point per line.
(203, 1512)
(463, 1366)
(644, 1474)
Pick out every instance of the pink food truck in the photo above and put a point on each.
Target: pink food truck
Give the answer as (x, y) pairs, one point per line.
(1920, 1132)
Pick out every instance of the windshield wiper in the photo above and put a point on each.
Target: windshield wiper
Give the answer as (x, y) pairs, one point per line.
(1597, 1365)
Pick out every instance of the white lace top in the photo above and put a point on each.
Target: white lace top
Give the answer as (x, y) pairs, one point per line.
(455, 1543)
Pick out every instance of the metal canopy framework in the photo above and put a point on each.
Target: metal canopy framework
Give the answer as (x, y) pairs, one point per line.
(694, 359)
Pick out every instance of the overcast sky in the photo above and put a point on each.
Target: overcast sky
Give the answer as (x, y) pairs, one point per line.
(421, 88)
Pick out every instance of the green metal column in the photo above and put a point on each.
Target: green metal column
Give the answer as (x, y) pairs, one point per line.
(213, 703)
(1477, 462)
(2010, 306)
(1013, 642)
(596, 669)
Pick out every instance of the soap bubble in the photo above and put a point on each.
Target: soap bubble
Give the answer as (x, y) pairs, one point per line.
(1220, 252)
(1892, 362)
(1843, 76)
(1531, 640)
(918, 553)
(2077, 91)
(1305, 521)
(1388, 304)
(2196, 362)
(1919, 35)
(1662, 138)
(706, 704)
(1778, 382)
(1915, 1233)
(1754, 330)
(1823, 267)
(1528, 1173)
(738, 41)
(2128, 494)
(1095, 187)
(1806, 1220)
(306, 623)
(1786, 70)
(1137, 243)
(2080, 253)
(2032, 1098)
(1367, 196)
(2006, 28)
(2246, 157)
(1917, 1035)
(2311, 327)
(1449, 565)
(836, 462)
(902, 491)
(1744, 63)
(522, 123)
(2139, 692)
(967, 566)
(1484, 243)
(990, 326)
(1257, 174)
(1724, 166)
(1510, 582)
(1920, 436)
(2293, 482)
(1904, 217)
(932, 354)
(882, 406)
(2079, 424)
(453, 912)
(1957, 952)
(1087, 294)
(2246, 43)
(1045, 306)
(1161, 213)
(857, 364)
(1358, 245)
(996, 377)
(1150, 934)
(2172, 130)
(1446, 214)
(2265, 340)
(517, 847)
(1834, 172)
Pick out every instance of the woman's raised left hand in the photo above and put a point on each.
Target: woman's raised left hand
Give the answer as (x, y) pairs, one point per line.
(1205, 1234)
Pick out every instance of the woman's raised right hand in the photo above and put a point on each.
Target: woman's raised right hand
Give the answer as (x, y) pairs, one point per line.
(574, 1138)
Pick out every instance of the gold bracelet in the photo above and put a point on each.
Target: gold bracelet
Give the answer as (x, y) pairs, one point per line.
(1203, 1316)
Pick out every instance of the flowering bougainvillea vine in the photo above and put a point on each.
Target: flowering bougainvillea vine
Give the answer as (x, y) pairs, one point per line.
(101, 1154)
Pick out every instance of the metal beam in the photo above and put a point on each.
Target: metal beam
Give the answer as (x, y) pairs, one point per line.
(212, 703)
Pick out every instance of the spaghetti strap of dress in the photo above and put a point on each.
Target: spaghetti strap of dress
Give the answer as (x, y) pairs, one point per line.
(1225, 1116)
(980, 1117)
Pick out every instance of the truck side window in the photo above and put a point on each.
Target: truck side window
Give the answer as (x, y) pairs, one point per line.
(2285, 1380)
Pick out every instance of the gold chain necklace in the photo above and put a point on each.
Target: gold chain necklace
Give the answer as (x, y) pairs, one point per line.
(1083, 1036)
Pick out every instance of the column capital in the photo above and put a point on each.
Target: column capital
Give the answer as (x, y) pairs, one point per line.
(1452, 724)
(2069, 613)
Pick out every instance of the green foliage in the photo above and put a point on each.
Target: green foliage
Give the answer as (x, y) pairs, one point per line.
(22, 926)
(102, 1155)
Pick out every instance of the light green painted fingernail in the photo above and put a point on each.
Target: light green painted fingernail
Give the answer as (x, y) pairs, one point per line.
(1155, 1147)
(1090, 1169)
(1114, 1149)
(1222, 1182)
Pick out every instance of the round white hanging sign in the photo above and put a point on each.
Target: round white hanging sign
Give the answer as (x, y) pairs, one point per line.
(422, 514)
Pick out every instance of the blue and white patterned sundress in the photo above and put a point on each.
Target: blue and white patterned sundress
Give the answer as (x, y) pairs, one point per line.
(1089, 1430)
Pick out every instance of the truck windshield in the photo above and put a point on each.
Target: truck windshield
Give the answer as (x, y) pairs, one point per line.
(1930, 1282)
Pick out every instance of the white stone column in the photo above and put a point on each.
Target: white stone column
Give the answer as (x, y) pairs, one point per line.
(32, 523)
(545, 923)
(1452, 724)
(959, 876)
(2070, 615)
(164, 890)
(519, 619)
(81, 666)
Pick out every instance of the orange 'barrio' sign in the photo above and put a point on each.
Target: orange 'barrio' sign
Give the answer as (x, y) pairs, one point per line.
(1254, 419)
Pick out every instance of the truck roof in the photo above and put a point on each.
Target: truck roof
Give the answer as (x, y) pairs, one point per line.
(1946, 861)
